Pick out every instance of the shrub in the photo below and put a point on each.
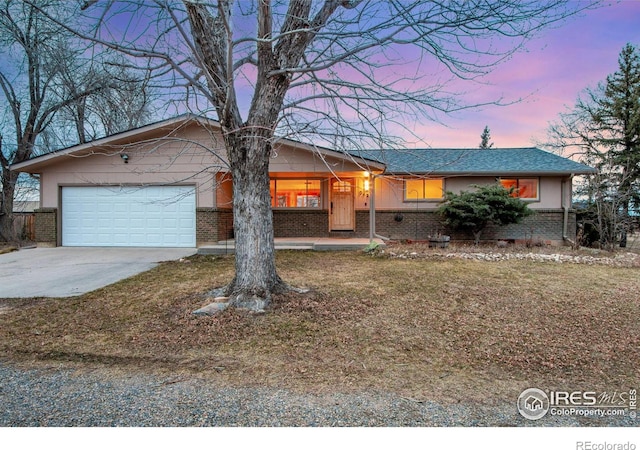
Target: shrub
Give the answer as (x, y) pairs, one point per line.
(474, 210)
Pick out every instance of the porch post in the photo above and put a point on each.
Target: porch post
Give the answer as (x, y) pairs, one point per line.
(372, 208)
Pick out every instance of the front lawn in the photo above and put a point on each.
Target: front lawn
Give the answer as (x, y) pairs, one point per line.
(437, 328)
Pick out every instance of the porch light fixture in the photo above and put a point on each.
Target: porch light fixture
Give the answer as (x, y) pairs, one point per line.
(366, 182)
(124, 157)
(366, 187)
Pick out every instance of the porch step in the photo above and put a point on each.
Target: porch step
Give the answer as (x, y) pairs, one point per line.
(342, 234)
(318, 244)
(229, 247)
(329, 246)
(294, 247)
(222, 250)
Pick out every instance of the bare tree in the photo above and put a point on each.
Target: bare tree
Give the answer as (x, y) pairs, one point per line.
(29, 83)
(603, 130)
(123, 102)
(328, 71)
(127, 103)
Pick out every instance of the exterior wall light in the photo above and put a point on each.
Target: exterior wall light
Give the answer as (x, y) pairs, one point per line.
(124, 157)
(366, 187)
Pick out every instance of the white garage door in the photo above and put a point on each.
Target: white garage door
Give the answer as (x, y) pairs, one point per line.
(151, 216)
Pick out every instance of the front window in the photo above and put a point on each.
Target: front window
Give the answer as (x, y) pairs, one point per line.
(524, 188)
(424, 189)
(298, 193)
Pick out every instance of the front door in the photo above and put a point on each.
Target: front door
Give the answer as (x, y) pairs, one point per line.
(342, 212)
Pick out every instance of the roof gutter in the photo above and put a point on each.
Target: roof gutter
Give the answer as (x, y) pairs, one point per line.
(489, 174)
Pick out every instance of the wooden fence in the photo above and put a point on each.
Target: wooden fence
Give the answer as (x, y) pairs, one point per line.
(24, 225)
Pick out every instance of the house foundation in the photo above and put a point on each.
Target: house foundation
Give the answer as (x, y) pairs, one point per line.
(214, 225)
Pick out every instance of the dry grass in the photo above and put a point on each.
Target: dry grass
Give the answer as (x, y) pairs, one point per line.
(6, 248)
(447, 330)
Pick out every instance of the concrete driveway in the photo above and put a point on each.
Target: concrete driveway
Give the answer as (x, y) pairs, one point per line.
(70, 271)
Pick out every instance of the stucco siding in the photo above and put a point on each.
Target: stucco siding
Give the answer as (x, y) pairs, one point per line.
(189, 156)
(174, 160)
(287, 159)
(390, 192)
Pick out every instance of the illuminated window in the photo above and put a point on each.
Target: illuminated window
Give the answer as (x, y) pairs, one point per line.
(524, 188)
(300, 193)
(424, 189)
(342, 186)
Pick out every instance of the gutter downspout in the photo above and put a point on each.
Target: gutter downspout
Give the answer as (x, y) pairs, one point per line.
(565, 207)
(372, 212)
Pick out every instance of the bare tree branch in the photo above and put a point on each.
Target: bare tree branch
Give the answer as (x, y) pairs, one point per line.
(305, 66)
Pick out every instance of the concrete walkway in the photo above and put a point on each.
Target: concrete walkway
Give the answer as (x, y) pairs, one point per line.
(71, 271)
(304, 243)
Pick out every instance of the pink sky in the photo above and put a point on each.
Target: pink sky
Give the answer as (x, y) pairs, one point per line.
(549, 76)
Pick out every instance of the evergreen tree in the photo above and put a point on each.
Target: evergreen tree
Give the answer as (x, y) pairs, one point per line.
(619, 117)
(605, 127)
(485, 142)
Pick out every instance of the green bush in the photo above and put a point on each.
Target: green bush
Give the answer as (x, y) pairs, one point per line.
(474, 210)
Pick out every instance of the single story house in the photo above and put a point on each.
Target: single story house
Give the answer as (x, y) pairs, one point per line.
(168, 184)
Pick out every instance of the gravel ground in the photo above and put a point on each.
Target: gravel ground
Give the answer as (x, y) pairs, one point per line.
(626, 259)
(66, 398)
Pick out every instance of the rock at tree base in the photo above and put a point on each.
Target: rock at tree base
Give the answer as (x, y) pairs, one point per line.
(211, 309)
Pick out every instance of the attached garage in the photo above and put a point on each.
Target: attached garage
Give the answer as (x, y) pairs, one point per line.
(128, 216)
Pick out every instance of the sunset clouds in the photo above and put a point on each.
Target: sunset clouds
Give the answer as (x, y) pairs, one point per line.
(542, 80)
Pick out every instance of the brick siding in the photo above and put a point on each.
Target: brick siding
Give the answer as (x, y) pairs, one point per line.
(46, 226)
(302, 223)
(543, 226)
(213, 225)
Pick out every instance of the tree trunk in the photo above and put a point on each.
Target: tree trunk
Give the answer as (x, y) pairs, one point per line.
(626, 219)
(256, 276)
(7, 232)
(249, 144)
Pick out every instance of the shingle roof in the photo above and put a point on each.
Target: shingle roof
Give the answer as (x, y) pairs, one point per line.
(499, 161)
